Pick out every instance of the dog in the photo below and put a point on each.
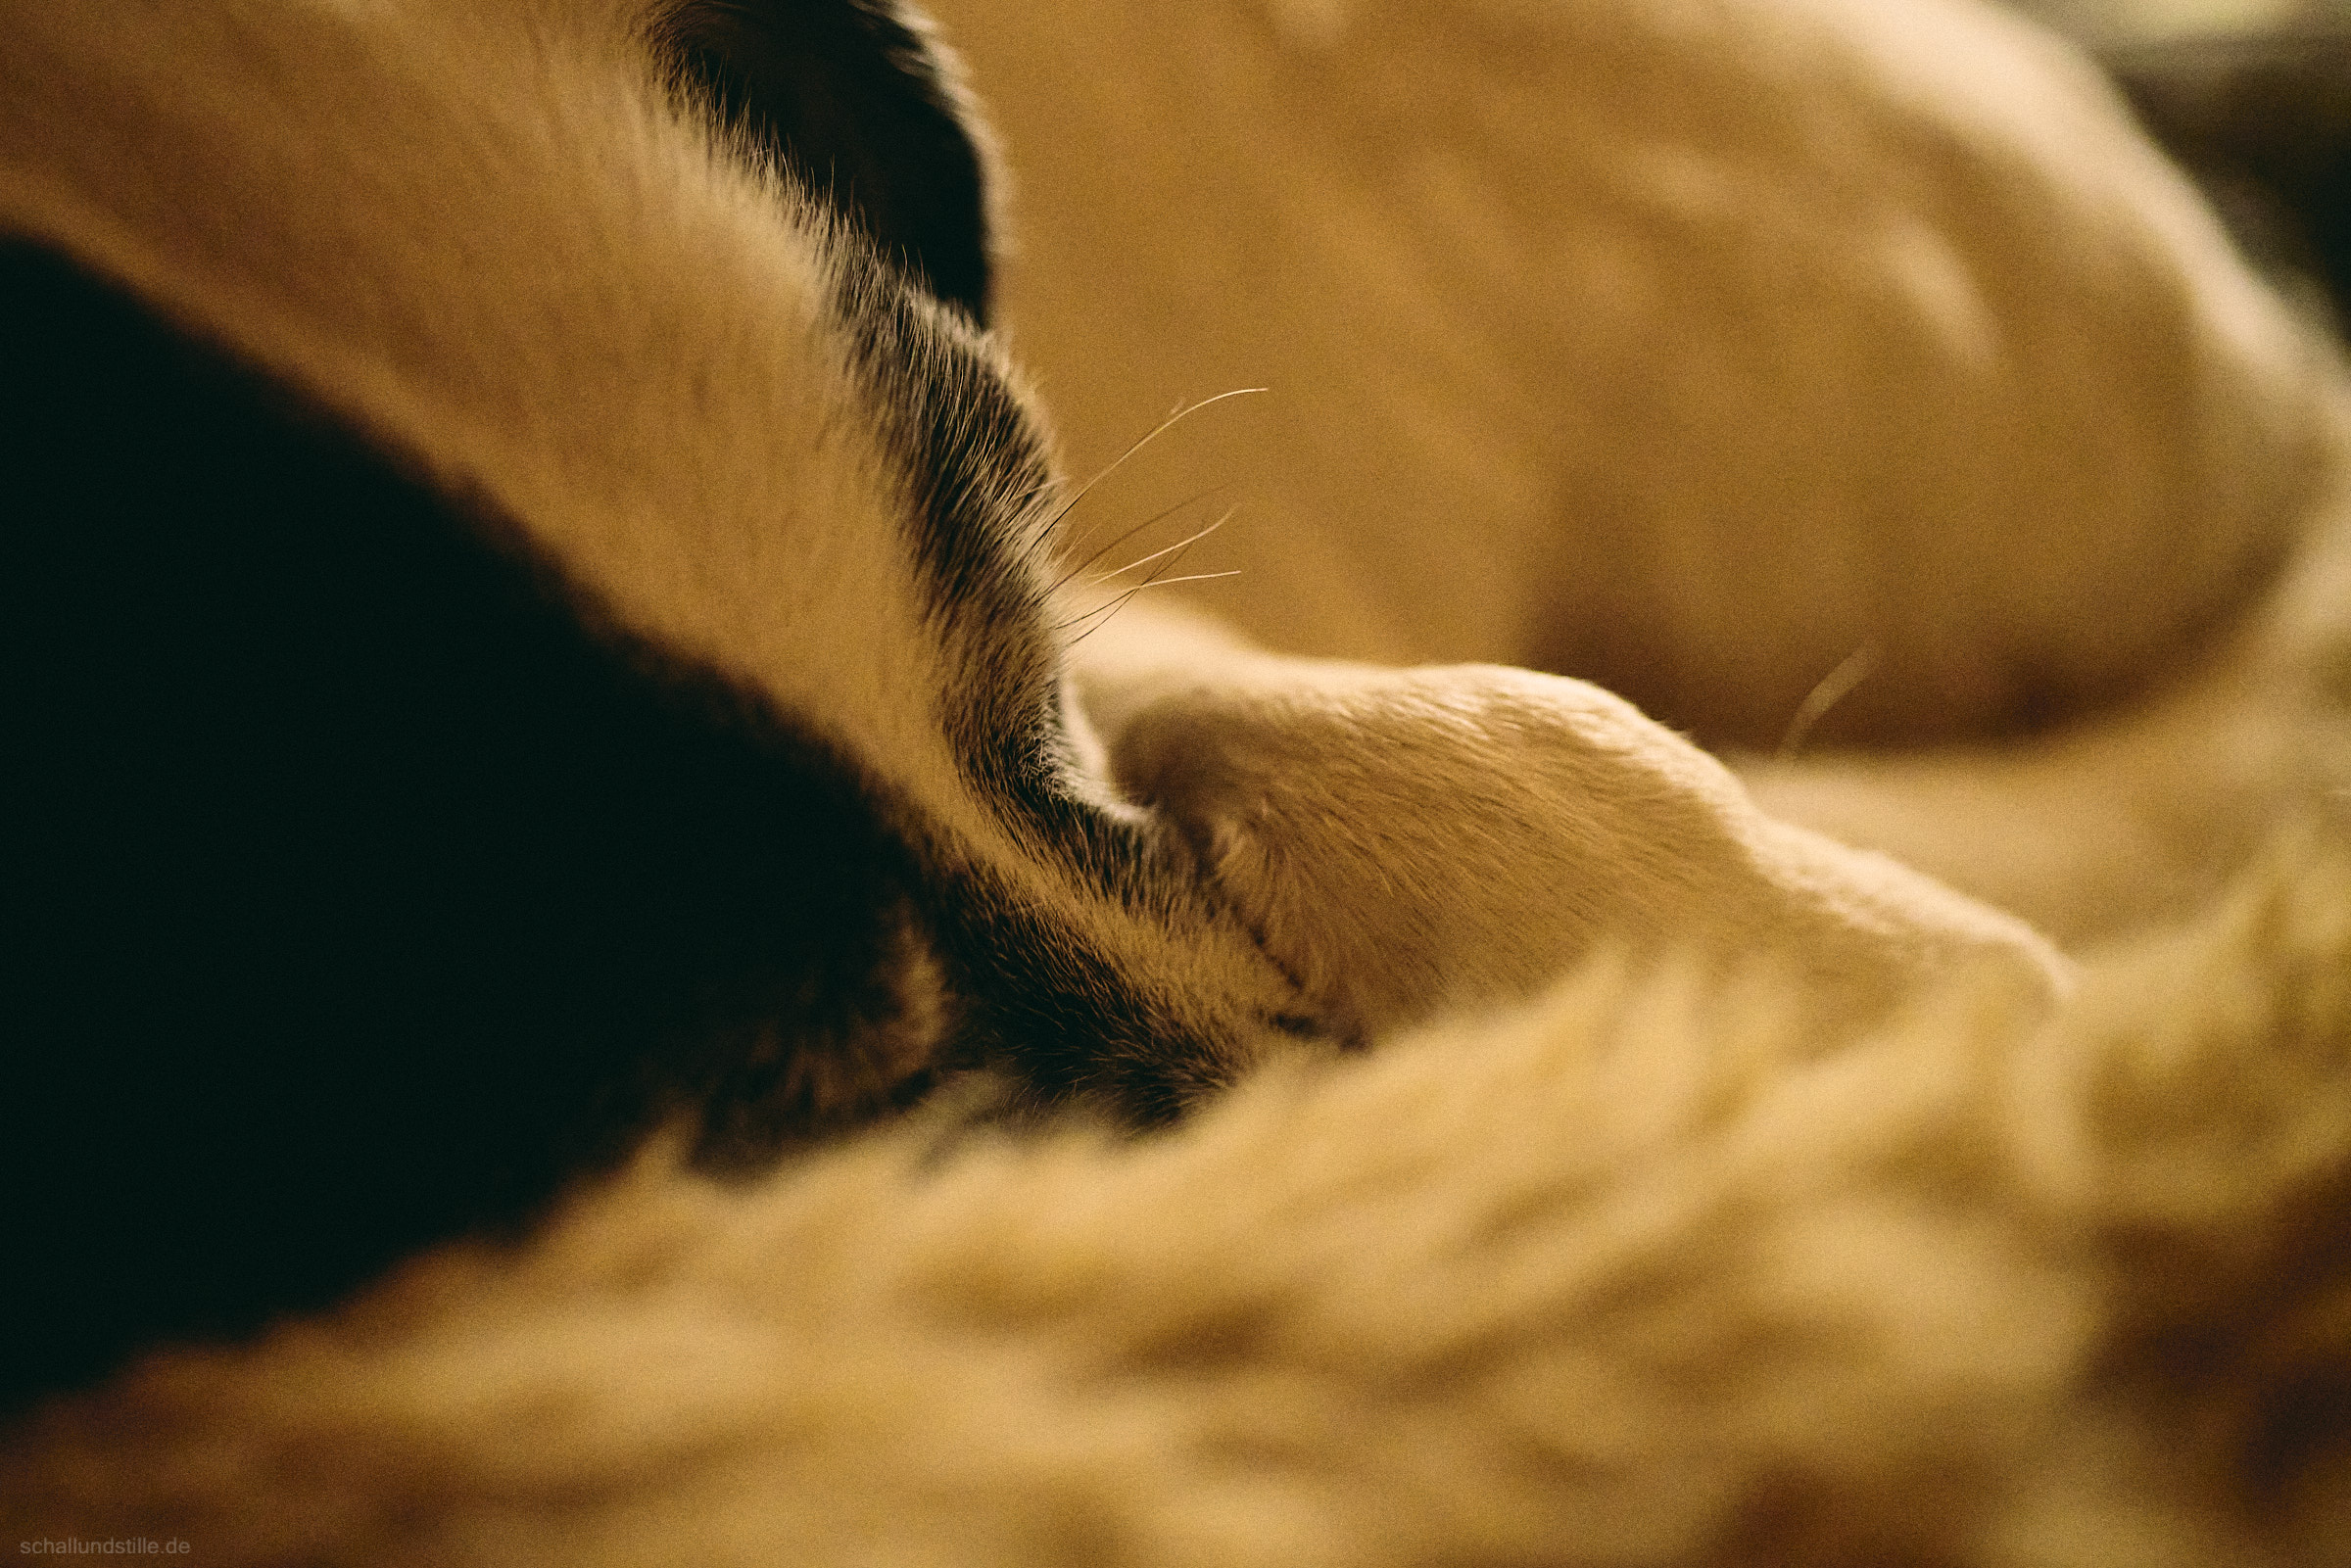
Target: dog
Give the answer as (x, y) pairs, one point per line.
(538, 615)
(1857, 389)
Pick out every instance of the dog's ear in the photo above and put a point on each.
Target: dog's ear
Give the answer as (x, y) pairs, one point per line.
(863, 105)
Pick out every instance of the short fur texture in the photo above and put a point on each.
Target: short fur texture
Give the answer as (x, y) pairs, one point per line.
(1716, 353)
(1687, 347)
(546, 625)
(1713, 1192)
(532, 626)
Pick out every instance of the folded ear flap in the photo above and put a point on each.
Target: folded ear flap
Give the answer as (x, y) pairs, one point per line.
(866, 108)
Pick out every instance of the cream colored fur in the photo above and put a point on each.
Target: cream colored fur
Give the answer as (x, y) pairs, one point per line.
(1407, 840)
(1820, 1242)
(587, 315)
(1700, 347)
(1739, 333)
(1631, 1275)
(577, 302)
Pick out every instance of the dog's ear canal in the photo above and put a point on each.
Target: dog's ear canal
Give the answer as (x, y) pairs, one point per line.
(863, 105)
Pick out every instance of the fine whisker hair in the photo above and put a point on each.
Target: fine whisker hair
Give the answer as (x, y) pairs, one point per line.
(1070, 575)
(1182, 543)
(1834, 688)
(1158, 579)
(1181, 414)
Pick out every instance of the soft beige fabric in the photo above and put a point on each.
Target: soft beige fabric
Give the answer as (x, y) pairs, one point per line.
(1629, 1276)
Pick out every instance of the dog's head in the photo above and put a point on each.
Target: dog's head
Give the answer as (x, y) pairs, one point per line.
(527, 618)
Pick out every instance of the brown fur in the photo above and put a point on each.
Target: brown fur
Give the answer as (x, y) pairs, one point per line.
(1631, 1275)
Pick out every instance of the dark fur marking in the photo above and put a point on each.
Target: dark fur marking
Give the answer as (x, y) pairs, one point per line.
(1038, 997)
(1060, 1016)
(976, 466)
(861, 108)
(357, 892)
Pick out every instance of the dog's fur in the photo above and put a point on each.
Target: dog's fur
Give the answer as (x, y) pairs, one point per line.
(532, 626)
(540, 626)
(1633, 1275)
(1714, 352)
(544, 620)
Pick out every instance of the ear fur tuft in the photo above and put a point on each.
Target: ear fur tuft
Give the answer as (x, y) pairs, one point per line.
(866, 108)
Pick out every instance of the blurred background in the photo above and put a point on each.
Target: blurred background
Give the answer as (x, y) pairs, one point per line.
(2102, 20)
(1595, 352)
(2255, 97)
